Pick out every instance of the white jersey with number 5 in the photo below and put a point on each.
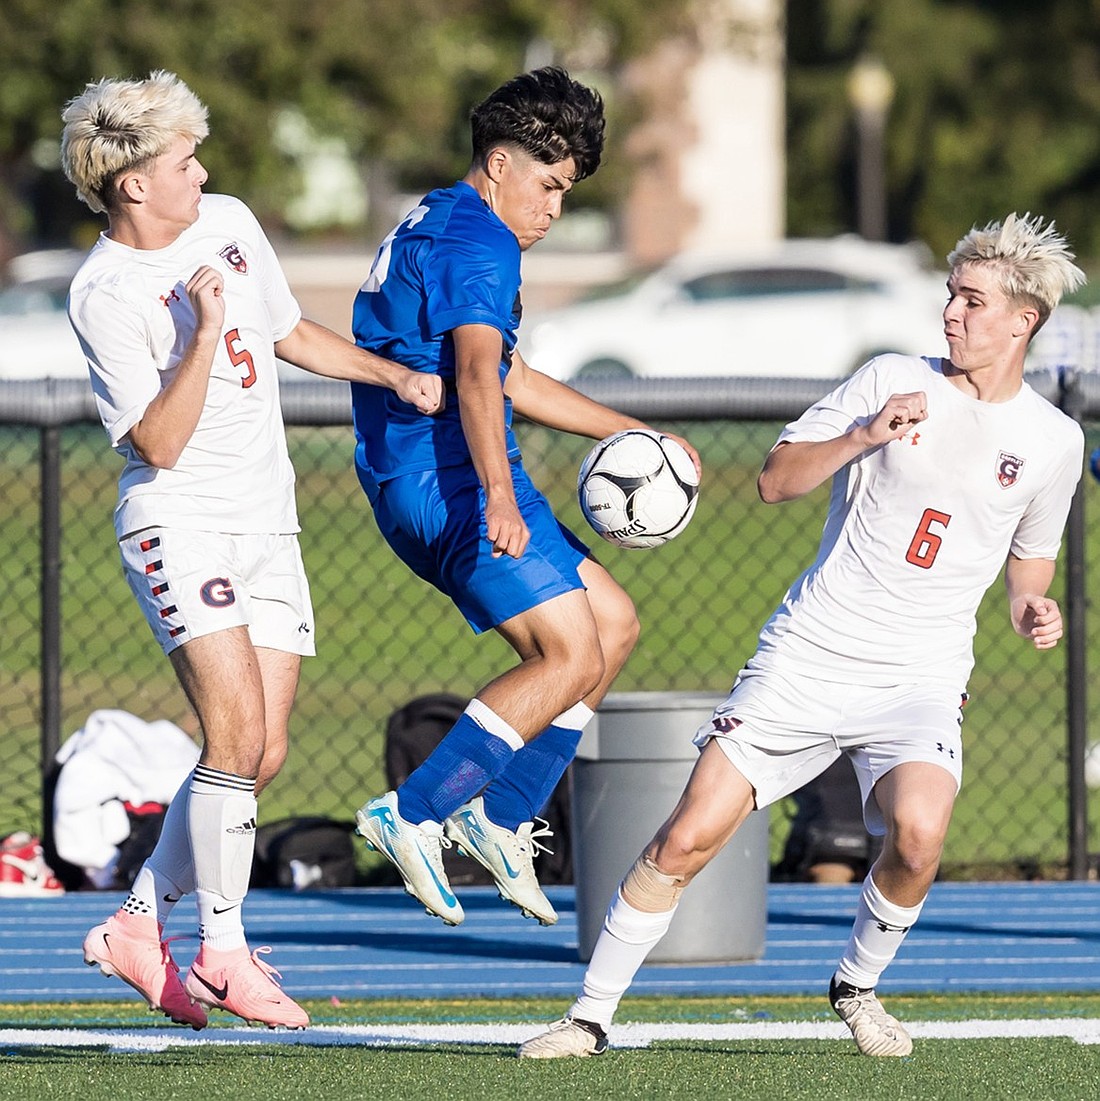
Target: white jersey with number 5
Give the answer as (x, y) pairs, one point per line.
(919, 528)
(130, 309)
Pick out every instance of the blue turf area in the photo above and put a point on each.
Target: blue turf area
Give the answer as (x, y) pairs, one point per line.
(1004, 938)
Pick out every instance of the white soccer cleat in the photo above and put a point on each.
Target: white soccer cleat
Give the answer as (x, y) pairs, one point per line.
(508, 857)
(874, 1030)
(415, 851)
(565, 1039)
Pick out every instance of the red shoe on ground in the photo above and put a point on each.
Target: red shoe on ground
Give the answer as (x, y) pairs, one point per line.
(24, 872)
(129, 946)
(244, 985)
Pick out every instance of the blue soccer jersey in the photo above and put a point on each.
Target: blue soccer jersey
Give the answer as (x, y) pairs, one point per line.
(451, 261)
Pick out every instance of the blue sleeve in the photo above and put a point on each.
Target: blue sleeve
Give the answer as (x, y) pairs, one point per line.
(472, 278)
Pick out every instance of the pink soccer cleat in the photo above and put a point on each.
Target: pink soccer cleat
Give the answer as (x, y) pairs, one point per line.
(129, 946)
(243, 984)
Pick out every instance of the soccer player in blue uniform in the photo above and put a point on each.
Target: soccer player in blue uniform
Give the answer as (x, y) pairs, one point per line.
(452, 498)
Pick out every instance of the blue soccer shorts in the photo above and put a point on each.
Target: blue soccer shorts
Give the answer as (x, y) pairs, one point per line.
(435, 522)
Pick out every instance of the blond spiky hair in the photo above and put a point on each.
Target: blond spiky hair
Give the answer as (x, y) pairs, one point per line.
(117, 125)
(1033, 260)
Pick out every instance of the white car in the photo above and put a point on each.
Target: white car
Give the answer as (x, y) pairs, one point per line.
(800, 309)
(36, 339)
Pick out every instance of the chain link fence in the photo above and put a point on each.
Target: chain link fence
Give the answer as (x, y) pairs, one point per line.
(74, 642)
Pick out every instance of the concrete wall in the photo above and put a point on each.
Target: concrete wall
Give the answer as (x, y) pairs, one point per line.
(710, 154)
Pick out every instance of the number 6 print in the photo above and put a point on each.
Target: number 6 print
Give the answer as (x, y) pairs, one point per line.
(926, 543)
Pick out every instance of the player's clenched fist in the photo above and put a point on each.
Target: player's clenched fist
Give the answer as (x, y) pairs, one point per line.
(897, 416)
(422, 390)
(204, 288)
(1038, 618)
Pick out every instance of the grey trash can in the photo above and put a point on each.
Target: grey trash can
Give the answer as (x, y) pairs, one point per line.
(631, 767)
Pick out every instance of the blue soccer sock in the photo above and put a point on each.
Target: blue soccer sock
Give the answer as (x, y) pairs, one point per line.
(525, 786)
(477, 748)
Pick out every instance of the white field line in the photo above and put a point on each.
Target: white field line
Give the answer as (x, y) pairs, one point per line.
(1083, 1031)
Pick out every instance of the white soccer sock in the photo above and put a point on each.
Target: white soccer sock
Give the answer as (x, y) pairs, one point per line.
(877, 933)
(628, 936)
(221, 823)
(168, 874)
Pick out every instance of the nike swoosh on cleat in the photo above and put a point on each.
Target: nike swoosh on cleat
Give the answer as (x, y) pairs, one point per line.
(476, 834)
(386, 825)
(384, 819)
(221, 994)
(169, 898)
(447, 896)
(512, 874)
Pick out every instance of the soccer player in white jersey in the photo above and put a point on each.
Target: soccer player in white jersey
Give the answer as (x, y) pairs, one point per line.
(943, 472)
(181, 308)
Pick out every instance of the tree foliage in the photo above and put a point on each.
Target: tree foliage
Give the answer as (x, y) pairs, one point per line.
(997, 108)
(997, 102)
(394, 80)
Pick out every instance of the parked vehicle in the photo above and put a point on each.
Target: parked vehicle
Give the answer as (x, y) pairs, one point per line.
(36, 340)
(799, 309)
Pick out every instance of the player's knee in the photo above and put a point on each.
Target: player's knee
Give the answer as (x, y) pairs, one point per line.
(578, 667)
(588, 673)
(625, 636)
(619, 628)
(917, 846)
(271, 764)
(680, 849)
(233, 752)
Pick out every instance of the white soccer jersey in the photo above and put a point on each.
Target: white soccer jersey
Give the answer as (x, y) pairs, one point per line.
(131, 311)
(919, 528)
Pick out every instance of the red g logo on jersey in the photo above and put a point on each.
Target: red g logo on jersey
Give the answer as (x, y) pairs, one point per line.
(231, 254)
(1008, 469)
(218, 593)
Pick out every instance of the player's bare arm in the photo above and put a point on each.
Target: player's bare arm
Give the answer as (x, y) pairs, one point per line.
(543, 400)
(1034, 615)
(796, 467)
(323, 352)
(170, 419)
(478, 350)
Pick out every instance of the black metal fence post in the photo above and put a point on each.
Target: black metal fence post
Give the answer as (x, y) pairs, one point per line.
(1071, 400)
(50, 597)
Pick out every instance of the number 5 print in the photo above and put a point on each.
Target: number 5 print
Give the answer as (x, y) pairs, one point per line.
(237, 356)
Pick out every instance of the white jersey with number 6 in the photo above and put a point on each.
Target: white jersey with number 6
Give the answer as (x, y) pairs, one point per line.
(130, 309)
(919, 528)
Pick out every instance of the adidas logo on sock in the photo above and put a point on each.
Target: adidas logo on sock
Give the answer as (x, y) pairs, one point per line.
(244, 827)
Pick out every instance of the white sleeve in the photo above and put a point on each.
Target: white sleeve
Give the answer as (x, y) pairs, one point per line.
(116, 342)
(1039, 532)
(856, 400)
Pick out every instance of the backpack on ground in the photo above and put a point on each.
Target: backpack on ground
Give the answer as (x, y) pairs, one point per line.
(304, 853)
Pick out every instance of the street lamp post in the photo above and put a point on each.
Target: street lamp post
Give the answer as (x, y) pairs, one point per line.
(871, 91)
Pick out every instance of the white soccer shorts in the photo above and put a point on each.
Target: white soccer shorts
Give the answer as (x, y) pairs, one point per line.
(193, 583)
(782, 732)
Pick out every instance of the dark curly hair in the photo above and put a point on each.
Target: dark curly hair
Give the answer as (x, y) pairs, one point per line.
(545, 113)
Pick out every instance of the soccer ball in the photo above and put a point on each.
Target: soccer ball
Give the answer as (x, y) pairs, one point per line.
(638, 488)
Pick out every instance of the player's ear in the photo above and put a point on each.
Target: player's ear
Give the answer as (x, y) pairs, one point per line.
(131, 187)
(1025, 321)
(496, 164)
